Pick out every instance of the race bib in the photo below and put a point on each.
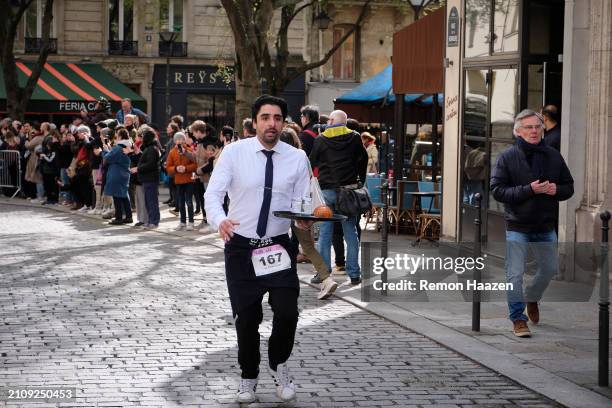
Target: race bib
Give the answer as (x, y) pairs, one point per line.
(270, 259)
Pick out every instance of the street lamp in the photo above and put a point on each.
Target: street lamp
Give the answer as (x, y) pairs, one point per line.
(322, 20)
(168, 38)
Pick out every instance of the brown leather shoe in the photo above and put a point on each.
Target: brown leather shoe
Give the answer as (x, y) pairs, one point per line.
(521, 329)
(533, 312)
(301, 258)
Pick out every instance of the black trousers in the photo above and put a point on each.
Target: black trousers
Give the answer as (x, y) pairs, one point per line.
(51, 187)
(82, 187)
(283, 302)
(123, 209)
(198, 193)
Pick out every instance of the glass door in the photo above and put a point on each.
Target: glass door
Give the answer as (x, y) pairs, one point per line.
(490, 105)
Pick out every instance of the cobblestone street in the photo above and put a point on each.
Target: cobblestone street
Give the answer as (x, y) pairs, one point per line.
(131, 317)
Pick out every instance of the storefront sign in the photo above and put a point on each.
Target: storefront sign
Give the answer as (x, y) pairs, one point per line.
(190, 77)
(453, 28)
(76, 106)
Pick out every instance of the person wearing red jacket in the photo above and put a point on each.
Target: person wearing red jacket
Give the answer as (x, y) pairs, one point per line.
(182, 168)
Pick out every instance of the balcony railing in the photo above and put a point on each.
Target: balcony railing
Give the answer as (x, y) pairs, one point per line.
(123, 47)
(33, 45)
(175, 49)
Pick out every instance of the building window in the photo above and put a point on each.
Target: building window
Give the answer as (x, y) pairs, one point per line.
(171, 17)
(121, 28)
(344, 59)
(33, 18)
(121, 20)
(491, 27)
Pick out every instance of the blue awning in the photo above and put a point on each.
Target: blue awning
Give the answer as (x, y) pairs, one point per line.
(378, 89)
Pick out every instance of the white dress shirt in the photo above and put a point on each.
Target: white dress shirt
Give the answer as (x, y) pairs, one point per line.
(240, 171)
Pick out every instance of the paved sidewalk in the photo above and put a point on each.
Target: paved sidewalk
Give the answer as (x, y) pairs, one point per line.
(140, 318)
(559, 360)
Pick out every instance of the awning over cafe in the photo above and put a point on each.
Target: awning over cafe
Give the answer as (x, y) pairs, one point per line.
(67, 88)
(418, 55)
(371, 101)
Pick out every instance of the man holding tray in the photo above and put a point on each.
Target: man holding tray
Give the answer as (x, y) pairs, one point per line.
(260, 175)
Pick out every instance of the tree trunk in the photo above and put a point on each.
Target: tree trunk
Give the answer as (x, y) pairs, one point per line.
(17, 97)
(248, 88)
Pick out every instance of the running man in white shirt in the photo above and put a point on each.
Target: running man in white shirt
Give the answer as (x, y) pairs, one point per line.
(260, 175)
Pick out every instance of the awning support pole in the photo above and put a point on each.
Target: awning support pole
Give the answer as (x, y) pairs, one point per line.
(398, 135)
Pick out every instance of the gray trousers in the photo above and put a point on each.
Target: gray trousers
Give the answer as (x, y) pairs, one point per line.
(141, 208)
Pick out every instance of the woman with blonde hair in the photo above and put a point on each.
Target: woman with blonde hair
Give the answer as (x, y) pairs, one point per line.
(369, 142)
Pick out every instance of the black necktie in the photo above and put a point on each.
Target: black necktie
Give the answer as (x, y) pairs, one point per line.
(262, 223)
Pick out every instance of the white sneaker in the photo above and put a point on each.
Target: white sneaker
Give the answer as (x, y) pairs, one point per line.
(328, 287)
(180, 227)
(92, 212)
(84, 209)
(189, 227)
(246, 390)
(285, 388)
(98, 211)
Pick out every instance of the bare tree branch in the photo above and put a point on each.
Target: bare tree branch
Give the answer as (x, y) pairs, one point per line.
(307, 67)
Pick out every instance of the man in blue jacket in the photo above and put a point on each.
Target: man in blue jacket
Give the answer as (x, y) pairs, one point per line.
(530, 178)
(128, 109)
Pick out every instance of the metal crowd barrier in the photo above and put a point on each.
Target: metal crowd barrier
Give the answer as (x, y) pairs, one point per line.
(10, 170)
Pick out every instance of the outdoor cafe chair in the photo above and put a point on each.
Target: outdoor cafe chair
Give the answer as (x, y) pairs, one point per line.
(406, 208)
(373, 183)
(429, 219)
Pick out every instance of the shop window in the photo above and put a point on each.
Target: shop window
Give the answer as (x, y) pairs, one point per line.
(171, 17)
(535, 86)
(506, 23)
(496, 149)
(476, 103)
(504, 102)
(217, 110)
(477, 28)
(491, 27)
(344, 59)
(474, 170)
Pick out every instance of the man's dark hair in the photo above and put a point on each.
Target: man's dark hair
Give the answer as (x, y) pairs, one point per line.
(248, 125)
(178, 119)
(268, 100)
(551, 112)
(122, 133)
(323, 119)
(311, 113)
(175, 128)
(353, 125)
(227, 131)
(210, 130)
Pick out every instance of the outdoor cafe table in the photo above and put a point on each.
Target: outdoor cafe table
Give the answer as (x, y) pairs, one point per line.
(418, 195)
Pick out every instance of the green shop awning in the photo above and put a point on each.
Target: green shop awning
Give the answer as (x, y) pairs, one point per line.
(67, 88)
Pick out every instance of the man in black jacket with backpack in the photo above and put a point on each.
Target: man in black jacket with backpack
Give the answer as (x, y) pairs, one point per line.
(530, 178)
(342, 161)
